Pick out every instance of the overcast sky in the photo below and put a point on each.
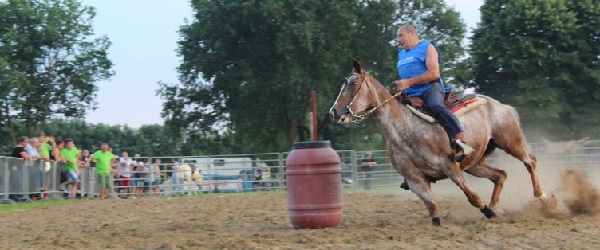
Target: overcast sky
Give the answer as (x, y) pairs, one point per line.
(144, 36)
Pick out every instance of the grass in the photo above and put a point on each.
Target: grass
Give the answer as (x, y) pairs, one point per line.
(6, 209)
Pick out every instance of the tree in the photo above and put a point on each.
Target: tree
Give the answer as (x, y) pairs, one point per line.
(541, 56)
(148, 140)
(249, 66)
(51, 61)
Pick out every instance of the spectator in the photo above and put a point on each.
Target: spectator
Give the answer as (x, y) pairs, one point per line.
(277, 182)
(155, 178)
(19, 150)
(32, 150)
(240, 183)
(257, 178)
(46, 145)
(175, 177)
(104, 159)
(198, 178)
(138, 177)
(69, 156)
(60, 145)
(125, 166)
(85, 164)
(16, 176)
(367, 166)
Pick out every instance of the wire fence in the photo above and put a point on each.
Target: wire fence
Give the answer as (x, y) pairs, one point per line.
(26, 181)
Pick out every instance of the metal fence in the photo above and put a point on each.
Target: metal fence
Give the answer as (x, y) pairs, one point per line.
(23, 180)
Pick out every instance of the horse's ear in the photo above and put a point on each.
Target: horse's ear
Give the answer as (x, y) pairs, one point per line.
(356, 66)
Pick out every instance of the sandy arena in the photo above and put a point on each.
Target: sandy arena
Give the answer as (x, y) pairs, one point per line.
(388, 219)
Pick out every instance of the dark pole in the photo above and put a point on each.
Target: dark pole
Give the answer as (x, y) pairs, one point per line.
(313, 116)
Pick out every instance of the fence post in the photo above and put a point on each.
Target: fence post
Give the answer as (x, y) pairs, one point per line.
(25, 181)
(6, 177)
(281, 173)
(354, 170)
(211, 173)
(56, 181)
(150, 191)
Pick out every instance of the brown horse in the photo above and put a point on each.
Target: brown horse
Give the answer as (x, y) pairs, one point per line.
(421, 152)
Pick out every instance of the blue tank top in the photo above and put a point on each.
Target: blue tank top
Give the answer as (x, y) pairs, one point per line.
(411, 63)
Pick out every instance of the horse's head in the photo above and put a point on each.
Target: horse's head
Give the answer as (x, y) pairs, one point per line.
(354, 97)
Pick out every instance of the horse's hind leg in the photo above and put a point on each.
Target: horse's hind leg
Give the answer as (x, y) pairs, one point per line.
(518, 149)
(531, 163)
(497, 176)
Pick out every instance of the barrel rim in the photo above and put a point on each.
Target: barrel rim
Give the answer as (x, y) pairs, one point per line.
(311, 144)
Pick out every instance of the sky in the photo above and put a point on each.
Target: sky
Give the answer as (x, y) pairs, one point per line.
(144, 39)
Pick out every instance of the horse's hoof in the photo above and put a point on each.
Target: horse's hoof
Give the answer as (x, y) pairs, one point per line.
(489, 213)
(549, 202)
(436, 221)
(404, 186)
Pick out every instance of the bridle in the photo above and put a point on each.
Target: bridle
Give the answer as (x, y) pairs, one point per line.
(369, 111)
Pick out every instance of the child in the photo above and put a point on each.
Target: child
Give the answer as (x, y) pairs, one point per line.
(240, 187)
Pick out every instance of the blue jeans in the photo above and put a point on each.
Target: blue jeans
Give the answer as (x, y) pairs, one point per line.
(177, 184)
(434, 100)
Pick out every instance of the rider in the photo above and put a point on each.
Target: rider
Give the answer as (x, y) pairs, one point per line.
(419, 69)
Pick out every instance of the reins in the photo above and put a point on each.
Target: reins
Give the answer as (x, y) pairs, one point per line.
(361, 117)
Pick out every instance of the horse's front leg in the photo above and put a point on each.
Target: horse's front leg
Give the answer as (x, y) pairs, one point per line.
(422, 188)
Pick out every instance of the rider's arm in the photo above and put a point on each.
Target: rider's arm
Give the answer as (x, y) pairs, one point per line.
(433, 68)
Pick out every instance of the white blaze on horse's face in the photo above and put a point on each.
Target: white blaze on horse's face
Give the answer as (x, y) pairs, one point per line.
(352, 99)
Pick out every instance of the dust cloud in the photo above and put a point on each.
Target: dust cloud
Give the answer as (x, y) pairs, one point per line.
(576, 194)
(581, 195)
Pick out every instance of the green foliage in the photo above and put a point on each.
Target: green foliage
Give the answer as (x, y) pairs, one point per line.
(148, 140)
(541, 56)
(7, 209)
(49, 61)
(248, 66)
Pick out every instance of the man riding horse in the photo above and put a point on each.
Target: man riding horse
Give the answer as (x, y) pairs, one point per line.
(419, 150)
(419, 68)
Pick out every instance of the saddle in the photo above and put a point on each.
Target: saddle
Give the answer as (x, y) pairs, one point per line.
(452, 102)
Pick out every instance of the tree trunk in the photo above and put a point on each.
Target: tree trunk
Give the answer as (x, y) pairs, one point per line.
(48, 95)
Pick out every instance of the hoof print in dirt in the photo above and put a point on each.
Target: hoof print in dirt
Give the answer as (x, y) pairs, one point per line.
(489, 213)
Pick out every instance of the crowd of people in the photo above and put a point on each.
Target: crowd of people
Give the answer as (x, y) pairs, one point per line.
(132, 176)
(105, 173)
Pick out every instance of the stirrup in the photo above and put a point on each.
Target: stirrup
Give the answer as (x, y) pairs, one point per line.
(461, 150)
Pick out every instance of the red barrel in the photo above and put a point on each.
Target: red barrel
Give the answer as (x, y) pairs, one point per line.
(314, 188)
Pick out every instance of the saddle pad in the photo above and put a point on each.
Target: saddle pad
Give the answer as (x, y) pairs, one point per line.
(458, 110)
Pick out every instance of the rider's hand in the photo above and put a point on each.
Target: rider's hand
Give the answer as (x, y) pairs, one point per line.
(402, 84)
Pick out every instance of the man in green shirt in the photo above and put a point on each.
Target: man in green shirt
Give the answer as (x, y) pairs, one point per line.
(104, 160)
(69, 156)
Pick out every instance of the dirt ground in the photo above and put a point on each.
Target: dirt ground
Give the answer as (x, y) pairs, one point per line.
(388, 219)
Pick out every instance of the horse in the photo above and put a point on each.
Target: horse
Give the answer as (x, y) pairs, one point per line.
(421, 151)
(187, 173)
